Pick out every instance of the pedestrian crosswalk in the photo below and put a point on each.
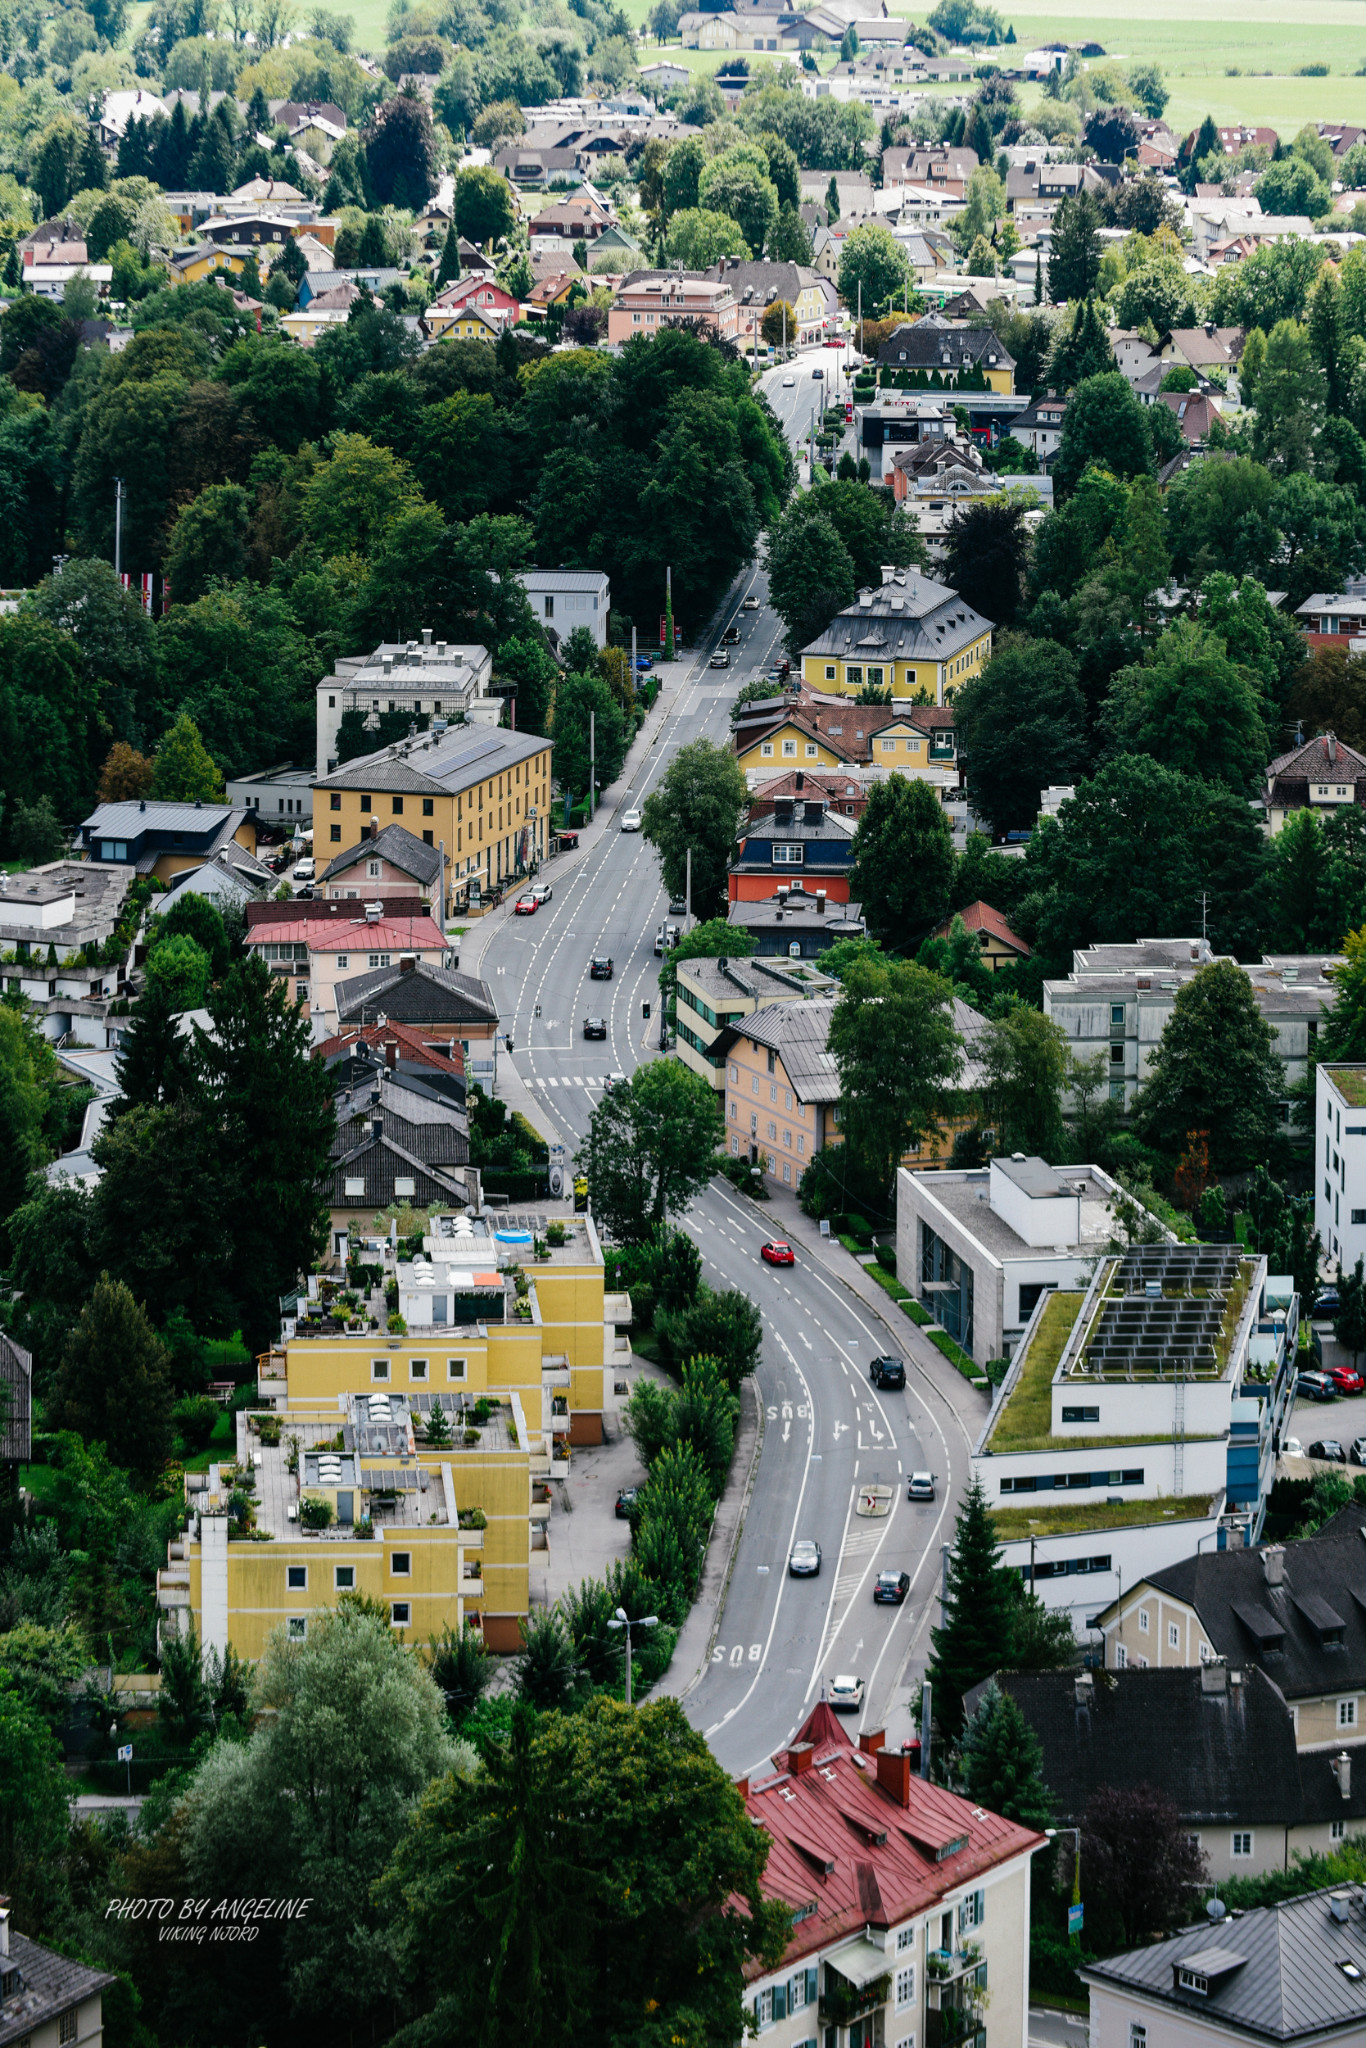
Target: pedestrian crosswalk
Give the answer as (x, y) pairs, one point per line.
(569, 1080)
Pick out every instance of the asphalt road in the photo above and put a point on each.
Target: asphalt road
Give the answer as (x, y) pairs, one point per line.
(828, 1435)
(799, 405)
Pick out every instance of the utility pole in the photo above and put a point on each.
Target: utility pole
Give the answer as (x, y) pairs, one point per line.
(687, 895)
(119, 495)
(668, 612)
(860, 316)
(620, 1620)
(634, 670)
(926, 1720)
(592, 763)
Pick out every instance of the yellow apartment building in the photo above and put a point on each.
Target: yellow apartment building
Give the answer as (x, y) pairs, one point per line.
(908, 635)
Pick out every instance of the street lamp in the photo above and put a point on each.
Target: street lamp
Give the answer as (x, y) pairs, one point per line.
(622, 1620)
(1073, 1931)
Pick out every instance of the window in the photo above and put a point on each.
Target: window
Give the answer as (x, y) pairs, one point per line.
(905, 1938)
(888, 746)
(296, 1628)
(1081, 1415)
(1143, 1621)
(875, 678)
(1347, 1713)
(763, 2009)
(1173, 1636)
(1359, 1215)
(767, 750)
(345, 1578)
(787, 854)
(428, 807)
(905, 1987)
(854, 676)
(296, 1578)
(402, 1613)
(66, 2028)
(379, 1369)
(1138, 2036)
(365, 801)
(1121, 1657)
(343, 959)
(1242, 1846)
(334, 835)
(455, 1368)
(1116, 1055)
(418, 1368)
(398, 806)
(334, 802)
(789, 750)
(1117, 1013)
(1337, 1831)
(972, 1911)
(829, 671)
(1030, 1291)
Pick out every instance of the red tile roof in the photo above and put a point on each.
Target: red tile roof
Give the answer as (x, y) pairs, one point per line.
(845, 1841)
(980, 917)
(403, 1039)
(418, 934)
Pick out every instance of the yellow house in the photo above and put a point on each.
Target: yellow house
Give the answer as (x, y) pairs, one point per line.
(793, 739)
(911, 634)
(208, 259)
(908, 746)
(481, 792)
(459, 323)
(305, 327)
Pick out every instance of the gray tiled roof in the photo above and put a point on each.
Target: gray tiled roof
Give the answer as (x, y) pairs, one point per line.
(51, 1985)
(435, 1140)
(378, 1163)
(912, 618)
(400, 848)
(798, 1033)
(1287, 1984)
(418, 995)
(127, 820)
(438, 765)
(931, 345)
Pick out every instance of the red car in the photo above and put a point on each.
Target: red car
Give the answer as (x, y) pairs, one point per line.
(525, 906)
(1347, 1379)
(777, 1253)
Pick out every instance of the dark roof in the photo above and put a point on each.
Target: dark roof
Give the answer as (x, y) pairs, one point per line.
(1322, 759)
(439, 1141)
(798, 910)
(931, 344)
(438, 765)
(421, 994)
(401, 849)
(49, 1986)
(1240, 1611)
(908, 618)
(378, 1163)
(1274, 1974)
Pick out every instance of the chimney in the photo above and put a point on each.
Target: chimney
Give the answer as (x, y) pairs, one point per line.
(1342, 1771)
(820, 903)
(871, 1741)
(1330, 741)
(387, 664)
(1273, 1564)
(374, 828)
(800, 1758)
(894, 1775)
(407, 962)
(742, 1787)
(1213, 1678)
(426, 636)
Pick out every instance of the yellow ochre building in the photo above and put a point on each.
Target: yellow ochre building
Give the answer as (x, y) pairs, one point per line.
(911, 634)
(344, 1482)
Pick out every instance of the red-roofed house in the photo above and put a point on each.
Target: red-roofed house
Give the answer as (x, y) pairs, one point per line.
(908, 1902)
(1000, 945)
(396, 1042)
(313, 953)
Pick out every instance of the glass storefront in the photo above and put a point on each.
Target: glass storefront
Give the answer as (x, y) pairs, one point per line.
(949, 1298)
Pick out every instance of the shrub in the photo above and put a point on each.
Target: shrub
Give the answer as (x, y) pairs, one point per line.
(886, 1257)
(193, 1419)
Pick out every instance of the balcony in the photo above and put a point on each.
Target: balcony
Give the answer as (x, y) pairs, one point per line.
(843, 2002)
(949, 1965)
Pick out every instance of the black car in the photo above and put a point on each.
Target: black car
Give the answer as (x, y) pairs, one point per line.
(626, 1501)
(1329, 1449)
(1326, 1304)
(600, 970)
(891, 1588)
(677, 907)
(887, 1372)
(595, 1027)
(1319, 1386)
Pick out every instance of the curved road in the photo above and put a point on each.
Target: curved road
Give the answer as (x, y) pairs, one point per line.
(829, 1435)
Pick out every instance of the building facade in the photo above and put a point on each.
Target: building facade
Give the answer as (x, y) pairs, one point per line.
(1340, 1161)
(911, 634)
(439, 683)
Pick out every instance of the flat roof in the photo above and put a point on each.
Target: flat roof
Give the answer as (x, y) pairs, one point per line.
(1350, 1083)
(966, 1196)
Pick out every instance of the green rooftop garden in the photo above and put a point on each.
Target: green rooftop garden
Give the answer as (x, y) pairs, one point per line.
(1025, 1422)
(1350, 1083)
(1073, 1517)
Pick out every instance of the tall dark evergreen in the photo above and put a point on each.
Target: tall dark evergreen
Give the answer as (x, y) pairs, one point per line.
(1003, 1761)
(1074, 259)
(974, 1638)
(449, 267)
(155, 1062)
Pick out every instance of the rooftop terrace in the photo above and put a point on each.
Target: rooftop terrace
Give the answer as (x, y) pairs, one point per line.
(1350, 1083)
(1160, 1312)
(1074, 1518)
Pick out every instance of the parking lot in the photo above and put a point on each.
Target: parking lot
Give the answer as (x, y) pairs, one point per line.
(1344, 1418)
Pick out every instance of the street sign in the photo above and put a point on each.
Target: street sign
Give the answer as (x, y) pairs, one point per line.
(1074, 1919)
(126, 1754)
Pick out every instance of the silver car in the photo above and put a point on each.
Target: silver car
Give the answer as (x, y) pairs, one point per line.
(845, 1694)
(805, 1561)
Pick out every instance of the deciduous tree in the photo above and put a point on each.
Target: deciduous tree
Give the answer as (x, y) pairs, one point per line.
(893, 1040)
(1214, 1069)
(651, 1145)
(902, 859)
(697, 808)
(1022, 725)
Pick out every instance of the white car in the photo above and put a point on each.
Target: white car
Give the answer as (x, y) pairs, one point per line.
(845, 1695)
(304, 871)
(630, 821)
(750, 603)
(787, 382)
(542, 891)
(1291, 1447)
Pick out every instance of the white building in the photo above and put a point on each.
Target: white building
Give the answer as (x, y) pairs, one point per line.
(439, 681)
(1340, 1162)
(564, 599)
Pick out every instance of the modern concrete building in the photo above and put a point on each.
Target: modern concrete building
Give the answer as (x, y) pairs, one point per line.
(1340, 1161)
(437, 683)
(564, 599)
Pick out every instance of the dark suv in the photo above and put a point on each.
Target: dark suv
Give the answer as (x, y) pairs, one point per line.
(887, 1372)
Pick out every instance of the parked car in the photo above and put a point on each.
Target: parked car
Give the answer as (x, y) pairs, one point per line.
(845, 1694)
(731, 637)
(778, 1253)
(1347, 1378)
(1356, 1451)
(749, 603)
(887, 1372)
(644, 661)
(304, 870)
(1329, 1448)
(595, 1027)
(306, 892)
(920, 1486)
(526, 906)
(720, 659)
(677, 907)
(630, 821)
(1291, 1447)
(626, 1500)
(805, 1560)
(1326, 1305)
(542, 891)
(599, 970)
(891, 1588)
(1319, 1386)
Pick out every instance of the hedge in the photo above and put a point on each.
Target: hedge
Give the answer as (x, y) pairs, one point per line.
(955, 1354)
(916, 1313)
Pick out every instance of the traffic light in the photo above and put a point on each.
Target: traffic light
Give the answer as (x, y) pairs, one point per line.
(645, 1009)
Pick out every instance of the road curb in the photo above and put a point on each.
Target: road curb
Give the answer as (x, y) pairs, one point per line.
(748, 1386)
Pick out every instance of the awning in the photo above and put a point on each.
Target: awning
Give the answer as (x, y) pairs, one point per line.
(860, 1962)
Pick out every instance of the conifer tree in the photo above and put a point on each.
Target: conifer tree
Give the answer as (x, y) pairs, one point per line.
(974, 1638)
(1003, 1761)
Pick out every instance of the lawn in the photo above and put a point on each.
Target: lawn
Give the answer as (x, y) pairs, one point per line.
(1013, 1524)
(1025, 1422)
(1350, 1083)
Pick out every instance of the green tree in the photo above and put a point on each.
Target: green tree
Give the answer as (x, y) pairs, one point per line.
(1149, 88)
(985, 555)
(35, 832)
(697, 807)
(973, 1639)
(616, 1912)
(722, 1326)
(179, 971)
(530, 665)
(699, 237)
(114, 1385)
(737, 183)
(682, 174)
(549, 1676)
(1074, 254)
(448, 270)
(1191, 707)
(1214, 1070)
(34, 1815)
(651, 1145)
(402, 156)
(1022, 725)
(484, 210)
(1027, 1067)
(872, 257)
(1140, 1858)
(209, 539)
(1103, 423)
(461, 1668)
(576, 697)
(351, 500)
(894, 1043)
(1293, 186)
(200, 919)
(1342, 1031)
(182, 771)
(1081, 349)
(902, 859)
(26, 1072)
(154, 1062)
(1290, 402)
(811, 575)
(114, 636)
(1002, 1761)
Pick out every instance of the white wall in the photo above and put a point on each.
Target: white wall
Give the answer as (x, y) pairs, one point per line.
(1339, 1173)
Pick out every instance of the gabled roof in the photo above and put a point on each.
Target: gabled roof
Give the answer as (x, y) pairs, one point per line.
(357, 934)
(418, 995)
(49, 1985)
(981, 917)
(1322, 759)
(378, 1163)
(401, 849)
(845, 1842)
(405, 1042)
(1274, 1974)
(910, 618)
(931, 344)
(798, 1033)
